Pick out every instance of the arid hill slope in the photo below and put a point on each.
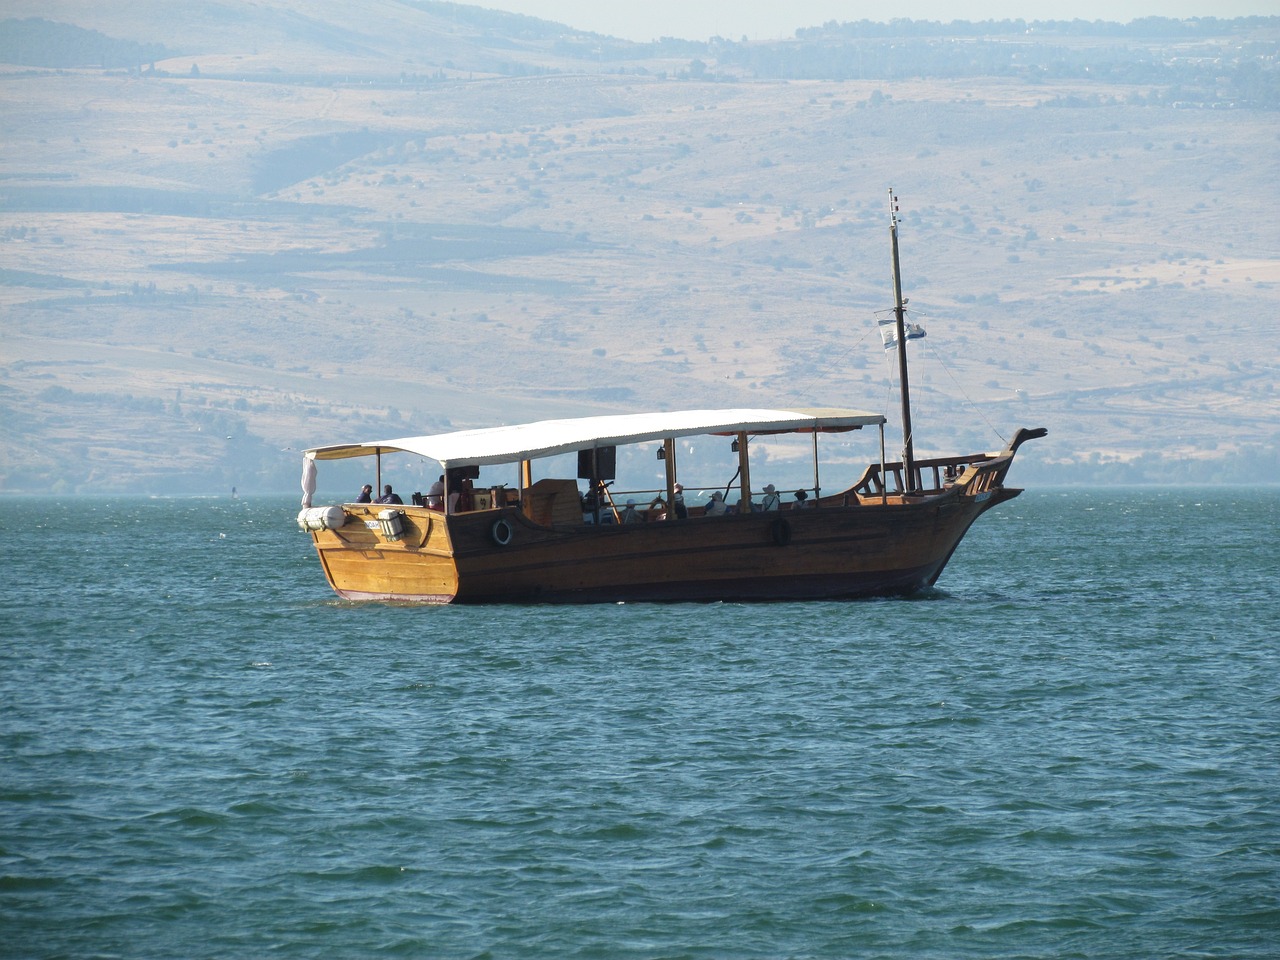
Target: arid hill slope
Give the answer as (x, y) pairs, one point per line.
(323, 221)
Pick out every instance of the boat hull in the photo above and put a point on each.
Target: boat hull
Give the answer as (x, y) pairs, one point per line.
(832, 552)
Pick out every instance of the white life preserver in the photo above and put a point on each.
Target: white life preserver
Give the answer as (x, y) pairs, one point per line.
(502, 533)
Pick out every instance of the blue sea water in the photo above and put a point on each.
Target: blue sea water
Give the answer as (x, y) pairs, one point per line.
(1069, 749)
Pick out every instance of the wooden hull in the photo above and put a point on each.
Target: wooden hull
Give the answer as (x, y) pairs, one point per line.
(833, 551)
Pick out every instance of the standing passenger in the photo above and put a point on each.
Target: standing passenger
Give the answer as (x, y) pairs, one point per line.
(466, 500)
(677, 502)
(435, 496)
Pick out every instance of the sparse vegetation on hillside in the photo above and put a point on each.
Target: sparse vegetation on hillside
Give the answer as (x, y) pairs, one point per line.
(36, 42)
(386, 236)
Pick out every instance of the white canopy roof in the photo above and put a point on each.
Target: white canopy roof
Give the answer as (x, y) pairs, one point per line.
(530, 441)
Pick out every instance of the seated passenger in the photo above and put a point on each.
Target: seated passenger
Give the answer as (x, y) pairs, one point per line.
(630, 514)
(802, 500)
(366, 494)
(388, 496)
(716, 506)
(771, 499)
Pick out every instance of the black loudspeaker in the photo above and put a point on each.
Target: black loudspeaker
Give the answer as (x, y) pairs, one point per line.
(606, 463)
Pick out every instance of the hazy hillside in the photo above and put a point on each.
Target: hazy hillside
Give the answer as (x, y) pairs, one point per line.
(302, 223)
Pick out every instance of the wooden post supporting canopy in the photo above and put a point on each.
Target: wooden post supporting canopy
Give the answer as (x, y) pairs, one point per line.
(744, 469)
(817, 481)
(669, 448)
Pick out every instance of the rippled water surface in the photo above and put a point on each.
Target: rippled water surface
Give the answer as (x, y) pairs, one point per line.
(1068, 750)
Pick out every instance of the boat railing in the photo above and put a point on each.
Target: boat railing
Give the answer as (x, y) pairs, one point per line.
(976, 473)
(557, 502)
(929, 476)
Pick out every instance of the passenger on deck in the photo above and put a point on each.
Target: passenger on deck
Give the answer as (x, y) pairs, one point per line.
(389, 496)
(802, 500)
(366, 494)
(677, 502)
(716, 506)
(461, 499)
(630, 514)
(435, 496)
(771, 499)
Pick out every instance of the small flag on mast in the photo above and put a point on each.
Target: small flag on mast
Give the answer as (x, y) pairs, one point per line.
(889, 332)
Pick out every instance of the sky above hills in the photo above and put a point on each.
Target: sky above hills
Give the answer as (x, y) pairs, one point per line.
(768, 19)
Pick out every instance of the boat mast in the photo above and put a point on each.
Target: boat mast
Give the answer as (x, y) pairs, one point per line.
(899, 314)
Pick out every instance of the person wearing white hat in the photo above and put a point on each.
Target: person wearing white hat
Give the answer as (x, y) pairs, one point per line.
(677, 501)
(771, 499)
(716, 505)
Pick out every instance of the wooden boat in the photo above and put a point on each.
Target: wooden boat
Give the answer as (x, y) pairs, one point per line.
(890, 531)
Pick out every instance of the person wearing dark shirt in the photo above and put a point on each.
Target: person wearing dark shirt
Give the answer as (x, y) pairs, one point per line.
(366, 494)
(388, 496)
